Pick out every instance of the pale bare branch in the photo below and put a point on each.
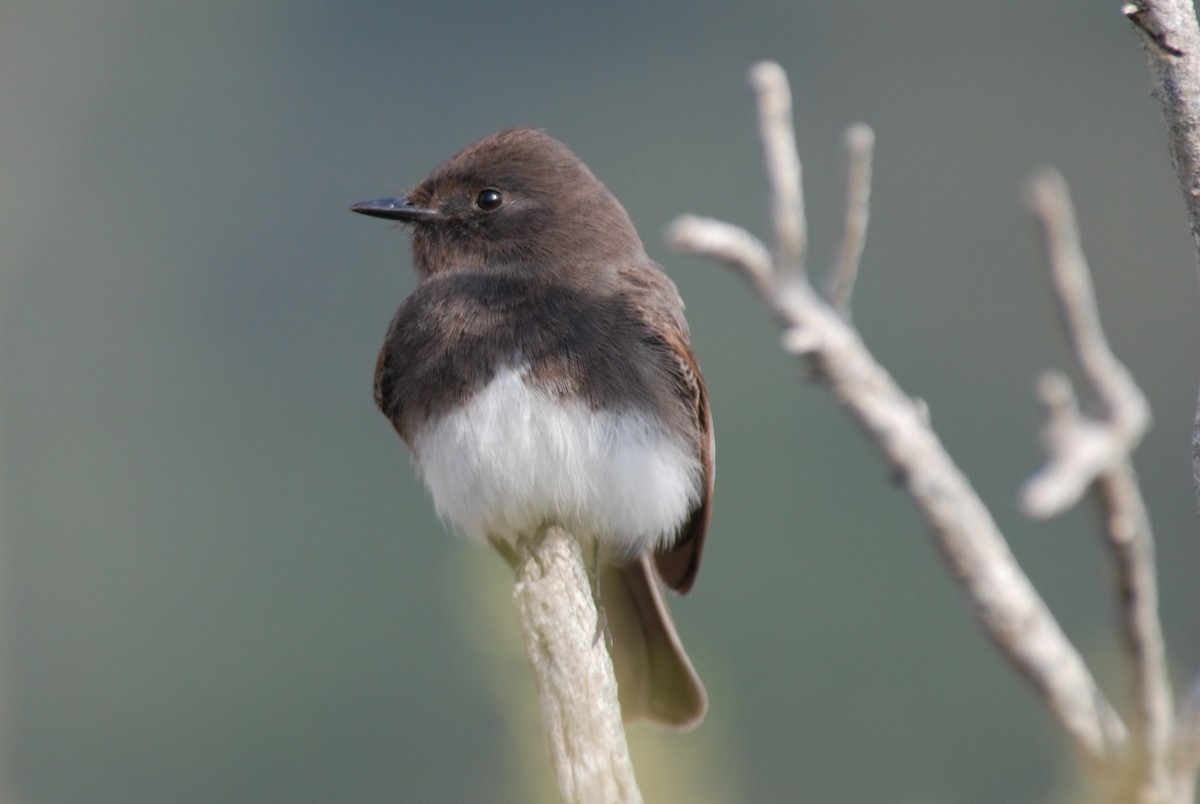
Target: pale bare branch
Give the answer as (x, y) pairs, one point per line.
(1080, 448)
(783, 161)
(572, 671)
(1127, 526)
(859, 142)
(725, 242)
(1001, 596)
(1171, 39)
(1096, 450)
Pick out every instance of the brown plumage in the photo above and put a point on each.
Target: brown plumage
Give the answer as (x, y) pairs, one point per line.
(528, 264)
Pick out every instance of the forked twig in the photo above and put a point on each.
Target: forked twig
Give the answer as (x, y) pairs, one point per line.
(1086, 451)
(1001, 596)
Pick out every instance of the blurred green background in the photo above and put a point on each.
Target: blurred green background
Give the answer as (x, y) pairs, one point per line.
(221, 580)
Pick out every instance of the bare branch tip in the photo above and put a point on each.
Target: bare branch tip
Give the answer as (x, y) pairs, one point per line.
(858, 138)
(681, 232)
(774, 100)
(1055, 391)
(1034, 504)
(859, 142)
(1045, 189)
(1136, 13)
(768, 75)
(732, 244)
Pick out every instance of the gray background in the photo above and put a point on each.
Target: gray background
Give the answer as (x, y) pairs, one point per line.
(221, 580)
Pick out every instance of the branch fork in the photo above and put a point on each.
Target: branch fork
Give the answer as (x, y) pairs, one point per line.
(1147, 764)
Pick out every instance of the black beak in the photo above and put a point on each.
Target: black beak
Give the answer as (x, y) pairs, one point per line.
(396, 209)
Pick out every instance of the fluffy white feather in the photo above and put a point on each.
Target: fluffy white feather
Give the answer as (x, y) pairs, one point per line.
(516, 458)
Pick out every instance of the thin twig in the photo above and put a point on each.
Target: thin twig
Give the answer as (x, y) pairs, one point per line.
(1080, 449)
(727, 243)
(859, 142)
(1131, 543)
(1001, 596)
(1096, 450)
(783, 164)
(573, 673)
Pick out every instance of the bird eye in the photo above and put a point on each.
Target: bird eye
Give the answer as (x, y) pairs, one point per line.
(489, 200)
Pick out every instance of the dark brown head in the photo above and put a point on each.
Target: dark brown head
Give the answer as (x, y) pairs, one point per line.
(517, 200)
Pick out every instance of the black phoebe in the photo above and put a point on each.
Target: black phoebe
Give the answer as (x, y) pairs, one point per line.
(541, 374)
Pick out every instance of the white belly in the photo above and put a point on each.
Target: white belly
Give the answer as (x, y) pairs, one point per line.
(516, 458)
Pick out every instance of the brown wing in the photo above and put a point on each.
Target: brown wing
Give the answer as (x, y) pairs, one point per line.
(656, 294)
(679, 563)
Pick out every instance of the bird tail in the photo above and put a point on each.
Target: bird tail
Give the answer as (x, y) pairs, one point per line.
(655, 679)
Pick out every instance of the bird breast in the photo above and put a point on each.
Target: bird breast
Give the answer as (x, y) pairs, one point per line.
(517, 457)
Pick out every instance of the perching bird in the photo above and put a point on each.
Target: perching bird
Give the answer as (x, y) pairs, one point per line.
(541, 374)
